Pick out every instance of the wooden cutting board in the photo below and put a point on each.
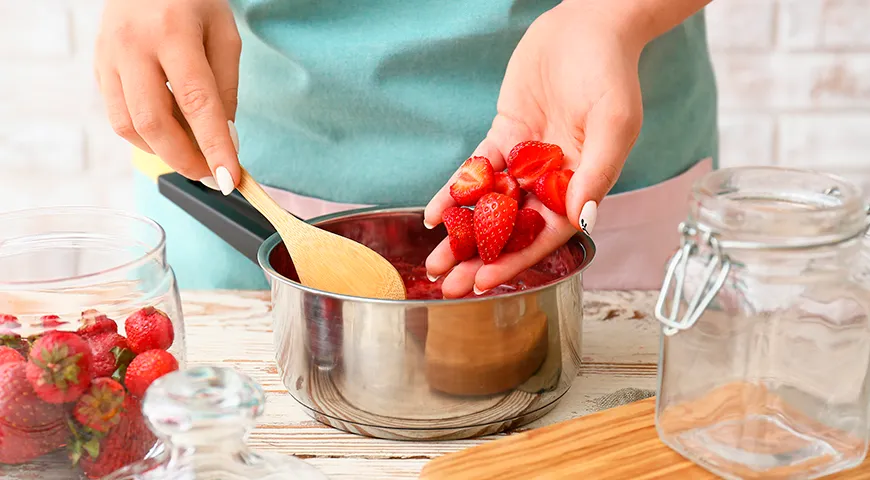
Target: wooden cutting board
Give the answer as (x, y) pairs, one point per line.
(619, 443)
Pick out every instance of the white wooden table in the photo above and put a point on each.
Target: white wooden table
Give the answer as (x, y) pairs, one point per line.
(620, 347)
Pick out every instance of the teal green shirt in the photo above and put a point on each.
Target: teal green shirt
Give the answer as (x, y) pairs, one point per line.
(379, 101)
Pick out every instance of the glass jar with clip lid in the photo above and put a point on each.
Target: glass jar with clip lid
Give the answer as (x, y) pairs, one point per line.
(764, 367)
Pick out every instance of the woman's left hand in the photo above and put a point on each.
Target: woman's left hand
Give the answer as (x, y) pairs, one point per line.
(572, 81)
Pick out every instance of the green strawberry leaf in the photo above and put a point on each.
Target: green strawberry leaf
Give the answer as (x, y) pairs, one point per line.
(123, 357)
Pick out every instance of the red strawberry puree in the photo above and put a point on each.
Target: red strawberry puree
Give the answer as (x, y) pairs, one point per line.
(410, 262)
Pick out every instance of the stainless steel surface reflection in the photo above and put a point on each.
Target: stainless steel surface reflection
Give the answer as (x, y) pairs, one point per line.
(426, 369)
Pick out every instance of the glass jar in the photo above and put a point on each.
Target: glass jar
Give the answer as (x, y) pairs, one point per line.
(89, 315)
(203, 416)
(763, 368)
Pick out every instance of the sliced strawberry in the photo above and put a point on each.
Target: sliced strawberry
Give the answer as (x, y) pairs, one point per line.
(505, 184)
(528, 225)
(494, 217)
(552, 189)
(460, 231)
(529, 161)
(474, 181)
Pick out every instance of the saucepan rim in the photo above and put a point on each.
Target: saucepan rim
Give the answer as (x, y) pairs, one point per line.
(582, 238)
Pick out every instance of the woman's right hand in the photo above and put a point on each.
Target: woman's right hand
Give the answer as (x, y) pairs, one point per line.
(195, 46)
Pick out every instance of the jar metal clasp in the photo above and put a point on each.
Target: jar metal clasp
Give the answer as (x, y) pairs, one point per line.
(714, 276)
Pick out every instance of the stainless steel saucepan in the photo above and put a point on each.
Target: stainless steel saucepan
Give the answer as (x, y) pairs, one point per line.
(412, 369)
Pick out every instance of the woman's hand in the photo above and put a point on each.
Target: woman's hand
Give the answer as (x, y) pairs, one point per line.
(192, 44)
(572, 81)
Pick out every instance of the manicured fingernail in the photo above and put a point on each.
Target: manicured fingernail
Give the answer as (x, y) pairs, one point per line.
(478, 291)
(588, 216)
(209, 182)
(432, 278)
(428, 225)
(234, 134)
(224, 180)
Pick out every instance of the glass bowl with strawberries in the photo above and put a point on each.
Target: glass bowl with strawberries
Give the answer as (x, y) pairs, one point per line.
(90, 316)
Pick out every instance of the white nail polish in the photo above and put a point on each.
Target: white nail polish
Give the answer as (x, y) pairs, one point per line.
(588, 216)
(427, 225)
(209, 182)
(432, 278)
(478, 291)
(224, 180)
(234, 134)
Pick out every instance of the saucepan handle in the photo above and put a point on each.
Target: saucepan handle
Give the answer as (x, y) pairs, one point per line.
(232, 218)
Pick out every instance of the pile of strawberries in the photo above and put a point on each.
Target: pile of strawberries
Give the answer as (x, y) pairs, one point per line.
(82, 390)
(498, 224)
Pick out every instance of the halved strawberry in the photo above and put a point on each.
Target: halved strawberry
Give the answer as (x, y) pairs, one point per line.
(505, 184)
(474, 181)
(460, 231)
(552, 189)
(494, 217)
(529, 161)
(528, 225)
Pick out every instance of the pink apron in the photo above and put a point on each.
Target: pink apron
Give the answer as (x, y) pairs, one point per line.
(635, 233)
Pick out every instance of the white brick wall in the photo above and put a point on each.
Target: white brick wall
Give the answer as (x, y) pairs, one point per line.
(794, 79)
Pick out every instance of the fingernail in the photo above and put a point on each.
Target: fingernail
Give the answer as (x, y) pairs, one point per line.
(224, 180)
(432, 278)
(209, 182)
(588, 216)
(428, 225)
(478, 291)
(234, 134)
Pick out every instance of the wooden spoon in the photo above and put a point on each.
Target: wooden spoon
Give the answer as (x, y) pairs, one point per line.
(324, 260)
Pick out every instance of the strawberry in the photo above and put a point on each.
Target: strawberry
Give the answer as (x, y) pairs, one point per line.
(505, 184)
(552, 189)
(9, 322)
(94, 322)
(59, 367)
(473, 181)
(29, 427)
(147, 367)
(105, 350)
(460, 231)
(99, 408)
(528, 225)
(127, 441)
(13, 340)
(529, 161)
(10, 355)
(51, 321)
(494, 217)
(149, 329)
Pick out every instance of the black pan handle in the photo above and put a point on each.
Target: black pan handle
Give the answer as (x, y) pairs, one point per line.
(232, 218)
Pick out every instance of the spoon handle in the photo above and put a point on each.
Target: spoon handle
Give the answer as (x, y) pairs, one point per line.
(256, 196)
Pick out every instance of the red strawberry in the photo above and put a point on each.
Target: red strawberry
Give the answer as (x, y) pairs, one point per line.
(13, 340)
(147, 367)
(29, 427)
(9, 321)
(10, 355)
(505, 184)
(149, 329)
(460, 230)
(99, 408)
(94, 322)
(552, 189)
(528, 225)
(100, 454)
(59, 367)
(529, 161)
(105, 349)
(474, 181)
(51, 321)
(494, 217)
